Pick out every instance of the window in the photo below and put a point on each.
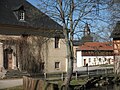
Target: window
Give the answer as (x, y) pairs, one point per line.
(19, 12)
(99, 59)
(95, 61)
(21, 15)
(57, 65)
(89, 60)
(56, 42)
(105, 59)
(84, 62)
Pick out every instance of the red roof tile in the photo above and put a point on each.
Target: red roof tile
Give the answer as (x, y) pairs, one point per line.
(96, 46)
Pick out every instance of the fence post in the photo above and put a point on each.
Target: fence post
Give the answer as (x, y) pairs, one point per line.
(45, 75)
(62, 76)
(76, 75)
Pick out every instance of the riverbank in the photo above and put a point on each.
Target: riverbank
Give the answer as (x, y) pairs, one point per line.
(76, 84)
(106, 87)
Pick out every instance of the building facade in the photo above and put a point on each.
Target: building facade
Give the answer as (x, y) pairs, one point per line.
(21, 27)
(94, 53)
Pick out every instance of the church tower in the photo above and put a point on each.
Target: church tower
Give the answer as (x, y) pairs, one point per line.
(86, 30)
(87, 34)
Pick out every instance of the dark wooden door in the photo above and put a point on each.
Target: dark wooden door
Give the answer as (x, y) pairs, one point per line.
(84, 62)
(8, 58)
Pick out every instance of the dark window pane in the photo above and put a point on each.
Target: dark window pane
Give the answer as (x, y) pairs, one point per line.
(56, 42)
(57, 64)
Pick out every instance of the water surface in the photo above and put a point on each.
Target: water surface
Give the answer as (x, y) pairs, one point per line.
(108, 87)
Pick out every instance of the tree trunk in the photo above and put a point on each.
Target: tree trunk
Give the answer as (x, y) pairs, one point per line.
(69, 41)
(70, 57)
(69, 68)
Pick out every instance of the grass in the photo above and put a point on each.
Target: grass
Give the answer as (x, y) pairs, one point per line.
(106, 65)
(75, 82)
(78, 82)
(14, 88)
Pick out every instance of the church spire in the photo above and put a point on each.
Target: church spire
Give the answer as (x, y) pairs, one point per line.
(86, 30)
(87, 34)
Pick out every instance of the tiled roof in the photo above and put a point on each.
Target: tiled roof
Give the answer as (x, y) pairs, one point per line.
(33, 17)
(96, 46)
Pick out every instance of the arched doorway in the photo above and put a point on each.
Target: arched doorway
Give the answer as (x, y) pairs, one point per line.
(8, 58)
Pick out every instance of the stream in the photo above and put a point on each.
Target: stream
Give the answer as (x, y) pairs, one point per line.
(108, 87)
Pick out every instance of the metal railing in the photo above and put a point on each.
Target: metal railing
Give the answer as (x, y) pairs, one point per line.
(78, 74)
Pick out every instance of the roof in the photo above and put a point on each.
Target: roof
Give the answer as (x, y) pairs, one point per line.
(33, 17)
(84, 39)
(96, 46)
(116, 32)
(76, 42)
(87, 38)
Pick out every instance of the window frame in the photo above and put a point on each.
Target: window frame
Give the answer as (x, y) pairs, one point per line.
(57, 42)
(57, 65)
(21, 15)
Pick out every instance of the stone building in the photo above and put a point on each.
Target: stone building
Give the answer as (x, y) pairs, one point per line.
(19, 20)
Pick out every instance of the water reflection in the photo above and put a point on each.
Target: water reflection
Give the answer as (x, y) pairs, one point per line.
(108, 87)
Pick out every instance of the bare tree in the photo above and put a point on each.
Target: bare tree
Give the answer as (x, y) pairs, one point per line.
(114, 12)
(70, 14)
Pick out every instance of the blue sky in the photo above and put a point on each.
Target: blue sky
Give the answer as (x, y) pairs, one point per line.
(33, 2)
(36, 2)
